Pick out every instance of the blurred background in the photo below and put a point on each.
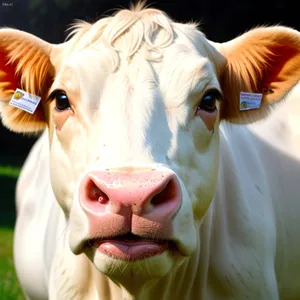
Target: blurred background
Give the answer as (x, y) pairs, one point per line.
(221, 20)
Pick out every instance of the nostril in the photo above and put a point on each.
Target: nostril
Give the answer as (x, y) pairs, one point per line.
(166, 195)
(93, 193)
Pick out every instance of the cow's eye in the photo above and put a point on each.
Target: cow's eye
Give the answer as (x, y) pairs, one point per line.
(61, 100)
(208, 102)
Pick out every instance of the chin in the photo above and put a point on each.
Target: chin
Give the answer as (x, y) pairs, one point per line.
(132, 258)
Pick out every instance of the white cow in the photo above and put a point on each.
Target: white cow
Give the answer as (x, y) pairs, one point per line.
(134, 190)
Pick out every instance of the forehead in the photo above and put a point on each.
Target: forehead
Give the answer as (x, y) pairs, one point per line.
(176, 62)
(180, 66)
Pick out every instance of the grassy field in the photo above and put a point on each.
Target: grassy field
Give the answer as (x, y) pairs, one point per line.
(9, 287)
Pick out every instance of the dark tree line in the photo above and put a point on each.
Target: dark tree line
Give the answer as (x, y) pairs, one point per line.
(220, 20)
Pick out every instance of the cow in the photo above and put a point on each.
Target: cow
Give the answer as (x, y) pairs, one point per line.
(149, 179)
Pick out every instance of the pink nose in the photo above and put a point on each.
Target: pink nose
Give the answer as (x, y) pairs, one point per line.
(155, 195)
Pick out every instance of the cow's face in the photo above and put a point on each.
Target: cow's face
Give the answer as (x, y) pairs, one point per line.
(139, 146)
(132, 115)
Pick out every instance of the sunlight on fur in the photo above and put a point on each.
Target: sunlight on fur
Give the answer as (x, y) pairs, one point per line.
(129, 32)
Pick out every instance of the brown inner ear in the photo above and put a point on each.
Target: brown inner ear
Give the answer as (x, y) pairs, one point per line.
(8, 81)
(283, 67)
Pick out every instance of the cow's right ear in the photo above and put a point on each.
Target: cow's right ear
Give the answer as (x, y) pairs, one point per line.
(264, 60)
(24, 63)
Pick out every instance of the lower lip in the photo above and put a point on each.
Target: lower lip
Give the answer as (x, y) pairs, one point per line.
(130, 250)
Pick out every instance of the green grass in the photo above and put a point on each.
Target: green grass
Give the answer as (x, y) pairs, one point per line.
(9, 171)
(9, 286)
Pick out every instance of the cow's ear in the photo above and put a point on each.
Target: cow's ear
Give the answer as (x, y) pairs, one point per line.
(264, 60)
(25, 64)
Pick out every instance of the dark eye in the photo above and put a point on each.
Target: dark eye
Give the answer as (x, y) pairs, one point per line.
(61, 100)
(208, 102)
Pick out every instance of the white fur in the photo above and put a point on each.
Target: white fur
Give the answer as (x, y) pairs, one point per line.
(237, 225)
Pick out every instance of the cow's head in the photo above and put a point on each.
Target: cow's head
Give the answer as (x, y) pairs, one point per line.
(132, 105)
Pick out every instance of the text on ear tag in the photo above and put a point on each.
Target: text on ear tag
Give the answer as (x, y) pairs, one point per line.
(250, 100)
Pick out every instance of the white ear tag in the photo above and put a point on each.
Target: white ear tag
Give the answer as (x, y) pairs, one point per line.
(25, 101)
(250, 100)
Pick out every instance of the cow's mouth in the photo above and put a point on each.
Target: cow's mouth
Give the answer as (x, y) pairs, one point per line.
(130, 246)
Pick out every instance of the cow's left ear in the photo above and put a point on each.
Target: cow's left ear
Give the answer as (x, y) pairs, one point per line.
(264, 60)
(25, 64)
